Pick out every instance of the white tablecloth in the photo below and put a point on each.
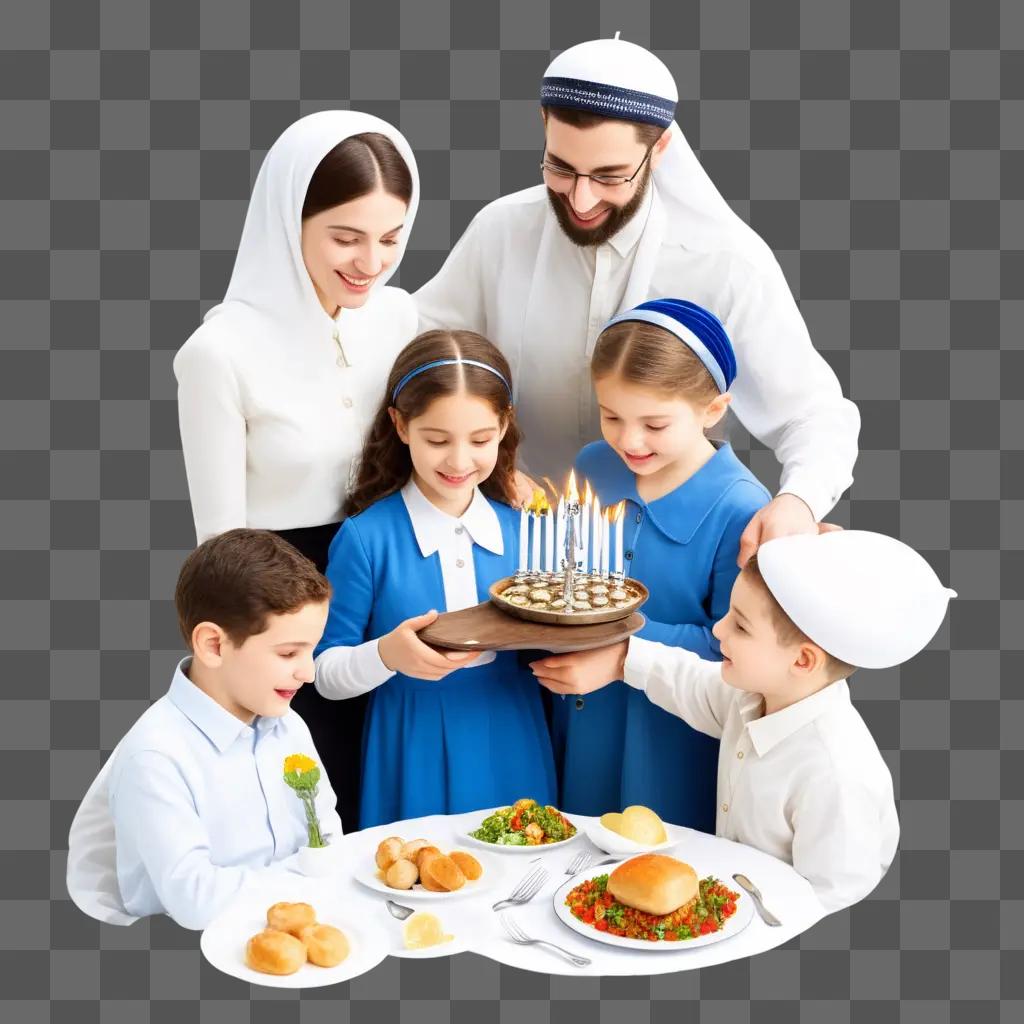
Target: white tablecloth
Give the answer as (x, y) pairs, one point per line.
(477, 928)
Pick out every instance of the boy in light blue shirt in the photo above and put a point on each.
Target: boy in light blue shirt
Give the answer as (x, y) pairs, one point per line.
(192, 806)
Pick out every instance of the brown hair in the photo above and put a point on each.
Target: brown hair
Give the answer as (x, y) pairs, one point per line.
(385, 465)
(647, 355)
(240, 578)
(787, 632)
(354, 168)
(646, 134)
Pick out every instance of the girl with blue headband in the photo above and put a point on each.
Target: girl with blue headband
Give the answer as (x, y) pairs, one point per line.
(661, 374)
(431, 526)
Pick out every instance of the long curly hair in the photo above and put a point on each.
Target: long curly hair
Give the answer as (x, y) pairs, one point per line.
(385, 465)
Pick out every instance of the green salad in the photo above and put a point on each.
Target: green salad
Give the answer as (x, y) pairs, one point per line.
(525, 823)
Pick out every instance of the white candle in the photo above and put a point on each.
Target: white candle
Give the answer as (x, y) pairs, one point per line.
(619, 523)
(584, 555)
(523, 538)
(560, 535)
(595, 537)
(550, 564)
(535, 551)
(606, 533)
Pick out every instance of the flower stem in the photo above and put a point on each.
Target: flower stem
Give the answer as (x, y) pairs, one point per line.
(313, 825)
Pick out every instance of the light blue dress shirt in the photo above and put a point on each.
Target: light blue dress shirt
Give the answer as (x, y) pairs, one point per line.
(200, 805)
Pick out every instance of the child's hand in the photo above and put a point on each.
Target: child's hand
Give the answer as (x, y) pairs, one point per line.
(582, 672)
(403, 651)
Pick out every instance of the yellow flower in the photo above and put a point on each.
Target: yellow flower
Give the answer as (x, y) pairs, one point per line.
(299, 763)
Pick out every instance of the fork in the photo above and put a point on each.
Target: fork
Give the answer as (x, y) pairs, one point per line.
(525, 890)
(517, 935)
(583, 859)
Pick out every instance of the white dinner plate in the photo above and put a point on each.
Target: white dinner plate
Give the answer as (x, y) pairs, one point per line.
(223, 944)
(733, 926)
(531, 851)
(373, 878)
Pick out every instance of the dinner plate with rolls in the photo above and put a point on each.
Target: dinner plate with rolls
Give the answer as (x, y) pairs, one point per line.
(292, 944)
(420, 869)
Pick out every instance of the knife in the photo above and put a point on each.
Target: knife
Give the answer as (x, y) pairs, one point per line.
(766, 915)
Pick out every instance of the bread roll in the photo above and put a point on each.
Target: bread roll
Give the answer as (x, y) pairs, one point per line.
(326, 946)
(274, 952)
(290, 917)
(653, 883)
(444, 872)
(410, 849)
(401, 875)
(468, 864)
(388, 852)
(643, 826)
(425, 853)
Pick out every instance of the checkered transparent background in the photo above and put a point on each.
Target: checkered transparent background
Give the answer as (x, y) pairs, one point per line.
(879, 148)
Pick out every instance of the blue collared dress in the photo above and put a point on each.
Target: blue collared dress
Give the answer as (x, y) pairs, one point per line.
(619, 748)
(477, 738)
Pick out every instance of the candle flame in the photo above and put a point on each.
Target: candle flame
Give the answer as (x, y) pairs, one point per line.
(571, 493)
(588, 494)
(538, 503)
(551, 487)
(615, 512)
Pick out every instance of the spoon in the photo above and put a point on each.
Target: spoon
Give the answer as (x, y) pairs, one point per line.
(397, 910)
(766, 915)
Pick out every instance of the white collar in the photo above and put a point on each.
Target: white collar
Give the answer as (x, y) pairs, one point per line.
(625, 239)
(772, 729)
(434, 527)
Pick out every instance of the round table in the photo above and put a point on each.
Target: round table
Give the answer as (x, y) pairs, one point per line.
(477, 928)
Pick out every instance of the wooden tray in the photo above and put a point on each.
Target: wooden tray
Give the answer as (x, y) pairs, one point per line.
(484, 628)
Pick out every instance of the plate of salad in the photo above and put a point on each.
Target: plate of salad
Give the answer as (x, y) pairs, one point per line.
(716, 913)
(525, 827)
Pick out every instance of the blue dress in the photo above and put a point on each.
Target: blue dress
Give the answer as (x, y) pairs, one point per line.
(619, 748)
(477, 738)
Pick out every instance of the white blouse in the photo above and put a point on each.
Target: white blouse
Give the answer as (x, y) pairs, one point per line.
(271, 432)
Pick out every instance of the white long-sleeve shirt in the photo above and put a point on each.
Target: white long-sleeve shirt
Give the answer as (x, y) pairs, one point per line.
(269, 429)
(517, 279)
(196, 810)
(806, 784)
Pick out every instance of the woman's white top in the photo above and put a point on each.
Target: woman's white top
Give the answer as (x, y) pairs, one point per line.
(274, 395)
(271, 433)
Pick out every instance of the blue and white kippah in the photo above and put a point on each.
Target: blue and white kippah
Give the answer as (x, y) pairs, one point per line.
(448, 362)
(613, 78)
(697, 328)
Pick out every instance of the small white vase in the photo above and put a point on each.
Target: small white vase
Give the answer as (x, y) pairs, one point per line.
(317, 861)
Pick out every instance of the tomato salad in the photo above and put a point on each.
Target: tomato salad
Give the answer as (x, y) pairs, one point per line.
(591, 903)
(525, 823)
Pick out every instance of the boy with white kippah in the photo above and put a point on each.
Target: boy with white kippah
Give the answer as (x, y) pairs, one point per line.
(799, 774)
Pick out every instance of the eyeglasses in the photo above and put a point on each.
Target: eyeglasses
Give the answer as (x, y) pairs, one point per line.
(556, 172)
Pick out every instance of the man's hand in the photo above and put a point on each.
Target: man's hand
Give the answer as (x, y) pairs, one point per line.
(525, 487)
(785, 514)
(584, 671)
(403, 651)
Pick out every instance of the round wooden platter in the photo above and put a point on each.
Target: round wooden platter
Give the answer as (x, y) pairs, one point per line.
(484, 628)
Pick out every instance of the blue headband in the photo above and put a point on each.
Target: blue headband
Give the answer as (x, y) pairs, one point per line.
(448, 362)
(609, 100)
(696, 328)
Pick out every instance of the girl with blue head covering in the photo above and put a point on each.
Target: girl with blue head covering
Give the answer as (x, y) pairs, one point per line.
(430, 526)
(661, 374)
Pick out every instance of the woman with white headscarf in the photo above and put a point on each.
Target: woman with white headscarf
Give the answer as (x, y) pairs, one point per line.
(277, 386)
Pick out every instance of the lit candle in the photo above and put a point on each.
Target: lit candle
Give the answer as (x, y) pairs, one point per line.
(595, 537)
(560, 535)
(524, 528)
(535, 565)
(549, 541)
(606, 534)
(584, 556)
(620, 520)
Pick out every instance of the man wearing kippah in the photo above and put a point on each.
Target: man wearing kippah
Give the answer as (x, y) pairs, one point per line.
(626, 213)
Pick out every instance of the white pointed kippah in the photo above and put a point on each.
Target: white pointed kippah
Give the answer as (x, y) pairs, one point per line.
(865, 598)
(613, 78)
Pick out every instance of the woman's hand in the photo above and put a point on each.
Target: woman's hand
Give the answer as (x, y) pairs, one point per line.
(525, 487)
(784, 515)
(403, 651)
(583, 671)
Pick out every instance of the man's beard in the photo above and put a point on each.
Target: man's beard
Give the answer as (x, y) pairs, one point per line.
(618, 216)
